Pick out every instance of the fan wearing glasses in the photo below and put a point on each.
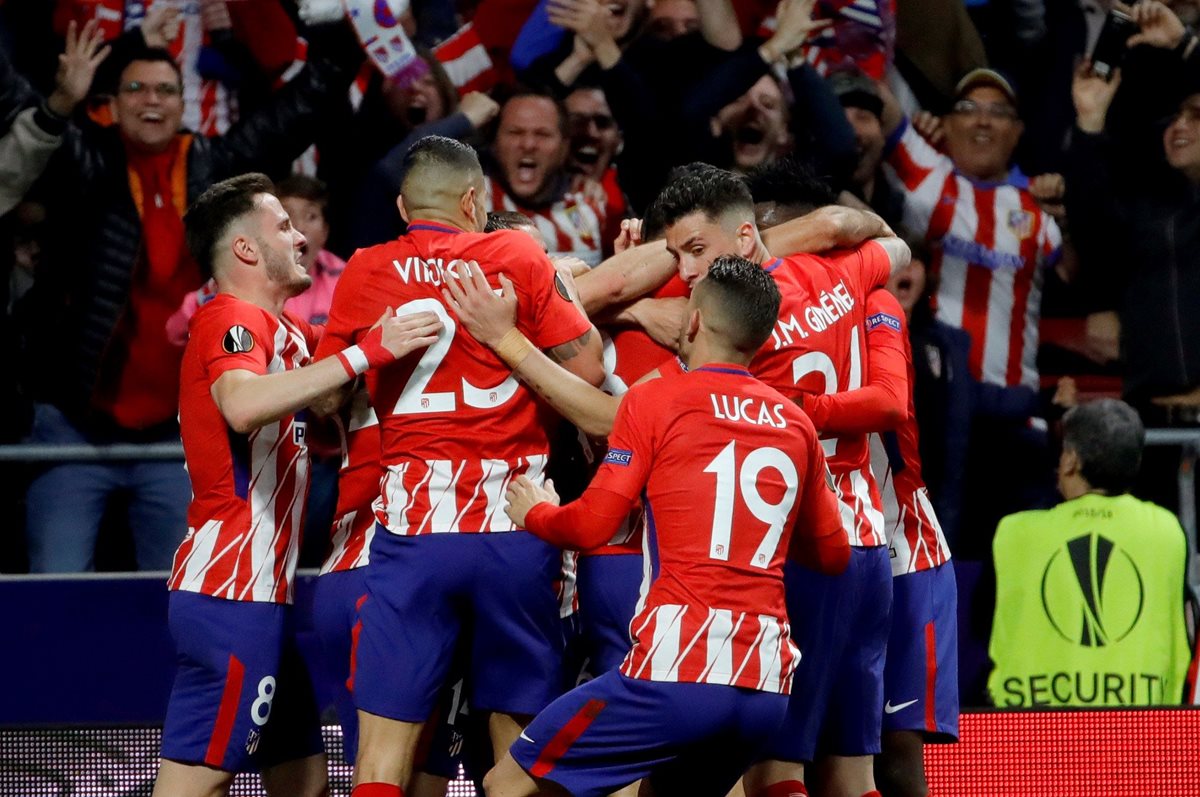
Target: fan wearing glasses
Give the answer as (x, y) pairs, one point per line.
(993, 235)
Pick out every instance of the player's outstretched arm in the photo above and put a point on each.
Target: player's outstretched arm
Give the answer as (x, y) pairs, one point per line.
(827, 228)
(624, 277)
(491, 319)
(580, 525)
(248, 400)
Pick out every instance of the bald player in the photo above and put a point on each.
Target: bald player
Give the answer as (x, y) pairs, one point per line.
(447, 565)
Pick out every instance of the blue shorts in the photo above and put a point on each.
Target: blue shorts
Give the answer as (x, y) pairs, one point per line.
(242, 699)
(920, 679)
(689, 739)
(840, 623)
(336, 600)
(608, 594)
(494, 592)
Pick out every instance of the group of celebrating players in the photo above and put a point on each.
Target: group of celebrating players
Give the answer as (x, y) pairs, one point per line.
(726, 591)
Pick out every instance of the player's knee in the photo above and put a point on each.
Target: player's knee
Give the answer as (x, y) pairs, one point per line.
(900, 776)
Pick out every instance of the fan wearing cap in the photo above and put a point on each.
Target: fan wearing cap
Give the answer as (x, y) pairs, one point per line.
(863, 106)
(990, 244)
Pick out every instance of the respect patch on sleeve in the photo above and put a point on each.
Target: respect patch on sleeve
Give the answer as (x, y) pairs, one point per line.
(618, 456)
(883, 319)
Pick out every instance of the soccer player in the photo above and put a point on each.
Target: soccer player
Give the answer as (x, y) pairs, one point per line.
(921, 667)
(456, 427)
(246, 379)
(921, 670)
(817, 347)
(705, 682)
(341, 588)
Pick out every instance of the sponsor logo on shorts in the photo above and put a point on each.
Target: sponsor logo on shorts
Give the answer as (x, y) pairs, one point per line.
(526, 738)
(618, 456)
(883, 319)
(252, 742)
(888, 708)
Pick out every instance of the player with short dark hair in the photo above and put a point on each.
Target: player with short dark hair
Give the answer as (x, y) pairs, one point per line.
(245, 381)
(921, 669)
(456, 427)
(703, 686)
(817, 347)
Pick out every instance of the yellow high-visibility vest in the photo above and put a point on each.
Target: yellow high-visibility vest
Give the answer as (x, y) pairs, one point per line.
(1089, 606)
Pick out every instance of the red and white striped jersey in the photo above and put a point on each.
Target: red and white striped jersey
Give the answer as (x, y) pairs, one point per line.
(466, 61)
(572, 225)
(358, 486)
(819, 346)
(728, 469)
(991, 242)
(862, 37)
(456, 426)
(248, 490)
(914, 534)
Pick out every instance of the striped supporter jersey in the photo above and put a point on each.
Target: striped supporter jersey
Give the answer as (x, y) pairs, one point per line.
(248, 489)
(572, 225)
(914, 535)
(728, 470)
(990, 244)
(358, 486)
(455, 425)
(819, 346)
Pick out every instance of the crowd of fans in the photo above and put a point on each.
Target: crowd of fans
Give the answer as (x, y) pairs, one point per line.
(1052, 212)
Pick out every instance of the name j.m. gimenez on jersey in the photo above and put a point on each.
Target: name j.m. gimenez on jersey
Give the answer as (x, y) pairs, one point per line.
(432, 271)
(830, 306)
(747, 410)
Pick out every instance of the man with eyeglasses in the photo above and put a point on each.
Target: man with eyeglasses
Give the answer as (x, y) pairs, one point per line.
(991, 243)
(596, 140)
(115, 269)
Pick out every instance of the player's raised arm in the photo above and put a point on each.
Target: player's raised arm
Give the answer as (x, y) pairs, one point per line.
(491, 319)
(248, 400)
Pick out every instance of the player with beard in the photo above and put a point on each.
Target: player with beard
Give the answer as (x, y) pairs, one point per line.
(245, 381)
(530, 176)
(446, 565)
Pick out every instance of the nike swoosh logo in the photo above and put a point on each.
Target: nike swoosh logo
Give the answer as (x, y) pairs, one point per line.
(526, 738)
(888, 708)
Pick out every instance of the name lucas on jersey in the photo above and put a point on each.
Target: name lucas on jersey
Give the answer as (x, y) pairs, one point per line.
(830, 307)
(747, 410)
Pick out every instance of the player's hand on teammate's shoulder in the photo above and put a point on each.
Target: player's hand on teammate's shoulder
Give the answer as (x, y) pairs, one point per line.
(404, 334)
(523, 495)
(487, 314)
(629, 236)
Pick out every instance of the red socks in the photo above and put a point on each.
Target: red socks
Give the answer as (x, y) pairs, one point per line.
(784, 788)
(377, 790)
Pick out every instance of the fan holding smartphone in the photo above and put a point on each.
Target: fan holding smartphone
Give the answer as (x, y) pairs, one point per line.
(1151, 23)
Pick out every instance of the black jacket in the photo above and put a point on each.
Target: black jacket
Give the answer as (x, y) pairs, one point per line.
(85, 279)
(1140, 241)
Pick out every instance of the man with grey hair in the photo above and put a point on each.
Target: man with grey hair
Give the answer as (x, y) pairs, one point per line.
(1089, 595)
